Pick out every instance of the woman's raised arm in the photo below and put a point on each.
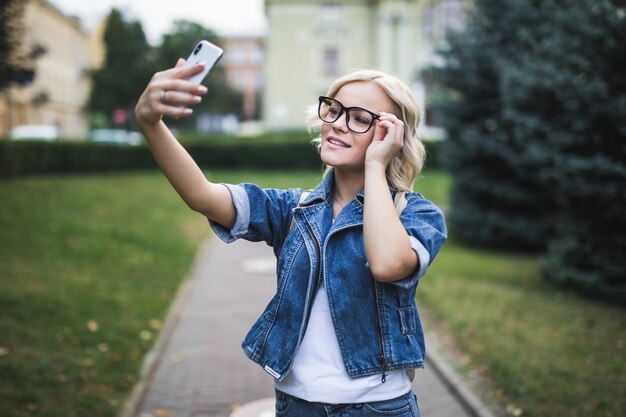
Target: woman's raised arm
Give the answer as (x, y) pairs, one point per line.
(169, 94)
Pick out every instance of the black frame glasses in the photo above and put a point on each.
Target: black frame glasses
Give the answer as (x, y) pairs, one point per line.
(358, 114)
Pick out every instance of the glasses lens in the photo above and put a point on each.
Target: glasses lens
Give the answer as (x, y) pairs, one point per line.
(330, 110)
(360, 120)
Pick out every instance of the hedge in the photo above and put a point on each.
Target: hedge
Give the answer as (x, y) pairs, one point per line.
(38, 158)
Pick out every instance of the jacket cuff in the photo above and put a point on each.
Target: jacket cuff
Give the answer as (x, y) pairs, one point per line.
(424, 260)
(242, 221)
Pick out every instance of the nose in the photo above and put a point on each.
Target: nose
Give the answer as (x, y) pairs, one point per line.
(342, 122)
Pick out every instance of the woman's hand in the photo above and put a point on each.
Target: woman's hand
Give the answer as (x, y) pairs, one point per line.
(388, 140)
(168, 94)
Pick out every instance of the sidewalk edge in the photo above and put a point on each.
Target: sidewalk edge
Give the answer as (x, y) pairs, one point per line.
(470, 401)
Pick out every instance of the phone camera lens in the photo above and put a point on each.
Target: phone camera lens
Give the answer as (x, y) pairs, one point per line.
(197, 49)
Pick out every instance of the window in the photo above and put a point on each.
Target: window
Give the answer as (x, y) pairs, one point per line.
(331, 62)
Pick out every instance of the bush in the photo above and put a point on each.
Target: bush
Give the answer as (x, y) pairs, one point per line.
(35, 158)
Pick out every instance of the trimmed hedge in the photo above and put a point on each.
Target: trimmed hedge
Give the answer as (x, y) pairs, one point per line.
(37, 158)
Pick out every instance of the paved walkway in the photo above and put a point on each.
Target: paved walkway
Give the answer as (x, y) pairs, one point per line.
(197, 368)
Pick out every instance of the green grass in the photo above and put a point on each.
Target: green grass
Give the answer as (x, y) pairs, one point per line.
(88, 268)
(89, 265)
(549, 353)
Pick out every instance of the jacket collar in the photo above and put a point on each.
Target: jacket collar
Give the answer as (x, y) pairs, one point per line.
(324, 190)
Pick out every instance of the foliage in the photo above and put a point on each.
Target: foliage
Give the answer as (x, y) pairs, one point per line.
(127, 66)
(498, 198)
(37, 158)
(267, 151)
(178, 44)
(11, 12)
(582, 117)
(131, 61)
(535, 106)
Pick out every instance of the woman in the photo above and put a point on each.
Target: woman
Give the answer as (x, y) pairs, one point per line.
(342, 331)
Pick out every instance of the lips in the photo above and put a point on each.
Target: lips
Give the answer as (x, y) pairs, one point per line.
(337, 142)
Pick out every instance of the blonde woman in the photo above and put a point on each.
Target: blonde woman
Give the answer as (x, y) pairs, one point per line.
(342, 330)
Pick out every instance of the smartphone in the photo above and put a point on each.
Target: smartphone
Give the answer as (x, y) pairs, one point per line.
(207, 53)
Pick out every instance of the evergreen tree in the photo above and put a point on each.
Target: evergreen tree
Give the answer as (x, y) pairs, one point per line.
(583, 113)
(127, 66)
(497, 199)
(537, 134)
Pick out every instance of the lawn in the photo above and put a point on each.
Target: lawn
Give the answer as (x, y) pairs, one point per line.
(547, 352)
(89, 265)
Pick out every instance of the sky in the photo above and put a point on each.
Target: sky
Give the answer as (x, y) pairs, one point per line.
(226, 17)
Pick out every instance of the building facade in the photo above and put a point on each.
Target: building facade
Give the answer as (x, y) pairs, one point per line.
(312, 42)
(61, 53)
(243, 62)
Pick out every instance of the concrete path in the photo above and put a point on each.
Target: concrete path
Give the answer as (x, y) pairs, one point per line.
(197, 368)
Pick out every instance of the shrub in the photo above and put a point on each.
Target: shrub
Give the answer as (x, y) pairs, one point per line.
(35, 158)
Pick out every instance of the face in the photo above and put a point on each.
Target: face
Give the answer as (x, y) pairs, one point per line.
(342, 148)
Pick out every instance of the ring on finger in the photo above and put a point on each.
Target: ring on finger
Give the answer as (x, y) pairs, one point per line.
(162, 96)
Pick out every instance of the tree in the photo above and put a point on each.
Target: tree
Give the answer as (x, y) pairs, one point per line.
(127, 66)
(536, 120)
(178, 44)
(584, 92)
(497, 199)
(11, 12)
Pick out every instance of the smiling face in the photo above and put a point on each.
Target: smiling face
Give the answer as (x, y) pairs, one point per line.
(342, 148)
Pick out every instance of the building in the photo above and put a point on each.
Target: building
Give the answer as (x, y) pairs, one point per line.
(243, 64)
(312, 42)
(61, 53)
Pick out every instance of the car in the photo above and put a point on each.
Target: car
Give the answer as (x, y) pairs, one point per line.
(34, 132)
(119, 136)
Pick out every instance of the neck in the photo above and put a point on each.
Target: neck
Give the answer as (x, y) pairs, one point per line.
(347, 185)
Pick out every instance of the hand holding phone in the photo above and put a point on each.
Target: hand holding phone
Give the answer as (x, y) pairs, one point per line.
(204, 52)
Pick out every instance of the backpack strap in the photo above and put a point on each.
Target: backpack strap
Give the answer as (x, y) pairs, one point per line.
(303, 197)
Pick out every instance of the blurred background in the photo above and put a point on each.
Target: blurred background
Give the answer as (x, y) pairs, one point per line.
(525, 130)
(78, 67)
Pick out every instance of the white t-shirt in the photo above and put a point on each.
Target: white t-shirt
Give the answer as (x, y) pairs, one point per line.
(319, 375)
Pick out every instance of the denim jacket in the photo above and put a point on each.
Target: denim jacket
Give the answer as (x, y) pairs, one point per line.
(377, 324)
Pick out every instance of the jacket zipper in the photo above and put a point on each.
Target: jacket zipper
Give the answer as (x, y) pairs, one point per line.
(309, 301)
(381, 351)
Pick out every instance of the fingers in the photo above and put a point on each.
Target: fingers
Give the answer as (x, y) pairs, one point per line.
(169, 92)
(178, 97)
(389, 128)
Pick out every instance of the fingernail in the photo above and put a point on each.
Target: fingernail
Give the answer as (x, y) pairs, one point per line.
(188, 112)
(197, 99)
(202, 89)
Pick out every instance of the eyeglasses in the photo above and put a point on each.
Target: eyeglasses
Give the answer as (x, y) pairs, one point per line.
(358, 119)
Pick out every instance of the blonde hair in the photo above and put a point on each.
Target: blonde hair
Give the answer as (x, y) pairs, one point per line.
(408, 163)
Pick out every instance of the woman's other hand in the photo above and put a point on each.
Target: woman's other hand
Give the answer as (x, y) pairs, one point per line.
(388, 140)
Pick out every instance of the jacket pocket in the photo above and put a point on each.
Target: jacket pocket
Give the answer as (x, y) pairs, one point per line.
(407, 320)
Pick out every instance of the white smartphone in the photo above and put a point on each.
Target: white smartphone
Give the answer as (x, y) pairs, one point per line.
(207, 53)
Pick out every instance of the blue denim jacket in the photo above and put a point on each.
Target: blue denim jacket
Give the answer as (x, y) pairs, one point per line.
(377, 324)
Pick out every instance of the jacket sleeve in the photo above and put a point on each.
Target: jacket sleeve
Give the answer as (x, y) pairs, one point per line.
(425, 224)
(262, 214)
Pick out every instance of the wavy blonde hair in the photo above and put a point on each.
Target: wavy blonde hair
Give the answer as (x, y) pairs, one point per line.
(408, 163)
